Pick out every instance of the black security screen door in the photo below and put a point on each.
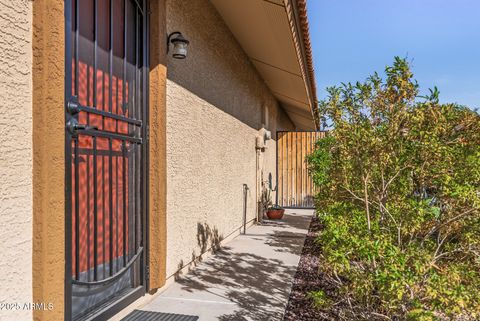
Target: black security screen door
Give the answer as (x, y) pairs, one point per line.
(106, 180)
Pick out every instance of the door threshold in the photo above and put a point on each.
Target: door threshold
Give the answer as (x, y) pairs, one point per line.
(113, 306)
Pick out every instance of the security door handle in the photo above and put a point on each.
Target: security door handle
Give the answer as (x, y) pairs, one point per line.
(73, 126)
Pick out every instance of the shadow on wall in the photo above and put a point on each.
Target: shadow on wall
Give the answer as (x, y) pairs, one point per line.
(217, 69)
(208, 238)
(259, 286)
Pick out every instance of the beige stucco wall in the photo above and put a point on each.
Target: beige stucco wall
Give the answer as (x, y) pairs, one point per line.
(214, 111)
(157, 147)
(16, 156)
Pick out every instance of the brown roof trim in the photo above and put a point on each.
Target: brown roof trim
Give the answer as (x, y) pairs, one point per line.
(301, 27)
(302, 9)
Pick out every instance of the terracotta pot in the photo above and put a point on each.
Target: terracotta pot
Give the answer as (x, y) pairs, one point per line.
(275, 214)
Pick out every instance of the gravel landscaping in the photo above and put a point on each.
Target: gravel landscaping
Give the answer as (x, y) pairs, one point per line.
(307, 278)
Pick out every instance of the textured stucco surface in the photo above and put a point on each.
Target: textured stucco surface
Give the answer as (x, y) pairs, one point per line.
(215, 100)
(157, 147)
(48, 158)
(15, 156)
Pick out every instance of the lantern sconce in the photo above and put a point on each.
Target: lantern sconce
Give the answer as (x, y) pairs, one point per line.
(180, 45)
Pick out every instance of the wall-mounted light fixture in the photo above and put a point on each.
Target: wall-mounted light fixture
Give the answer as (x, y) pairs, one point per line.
(180, 45)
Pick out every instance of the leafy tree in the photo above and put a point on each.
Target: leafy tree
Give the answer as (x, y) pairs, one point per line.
(399, 179)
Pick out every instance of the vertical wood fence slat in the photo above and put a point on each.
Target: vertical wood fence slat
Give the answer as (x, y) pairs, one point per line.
(283, 160)
(295, 187)
(287, 169)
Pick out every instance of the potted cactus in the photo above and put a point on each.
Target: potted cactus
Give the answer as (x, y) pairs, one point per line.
(272, 211)
(275, 212)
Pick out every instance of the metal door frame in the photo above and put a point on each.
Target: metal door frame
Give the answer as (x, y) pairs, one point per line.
(120, 303)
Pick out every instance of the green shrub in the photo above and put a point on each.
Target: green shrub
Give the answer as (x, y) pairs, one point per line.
(399, 179)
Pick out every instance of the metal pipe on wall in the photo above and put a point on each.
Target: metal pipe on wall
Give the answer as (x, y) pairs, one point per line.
(245, 195)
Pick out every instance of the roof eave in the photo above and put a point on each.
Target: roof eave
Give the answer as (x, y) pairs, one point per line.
(297, 14)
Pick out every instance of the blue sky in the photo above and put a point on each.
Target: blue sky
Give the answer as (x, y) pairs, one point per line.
(353, 38)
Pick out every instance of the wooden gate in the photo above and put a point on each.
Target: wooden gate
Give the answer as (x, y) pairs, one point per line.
(106, 155)
(295, 188)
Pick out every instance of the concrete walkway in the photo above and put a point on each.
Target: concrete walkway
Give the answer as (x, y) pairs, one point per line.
(248, 279)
